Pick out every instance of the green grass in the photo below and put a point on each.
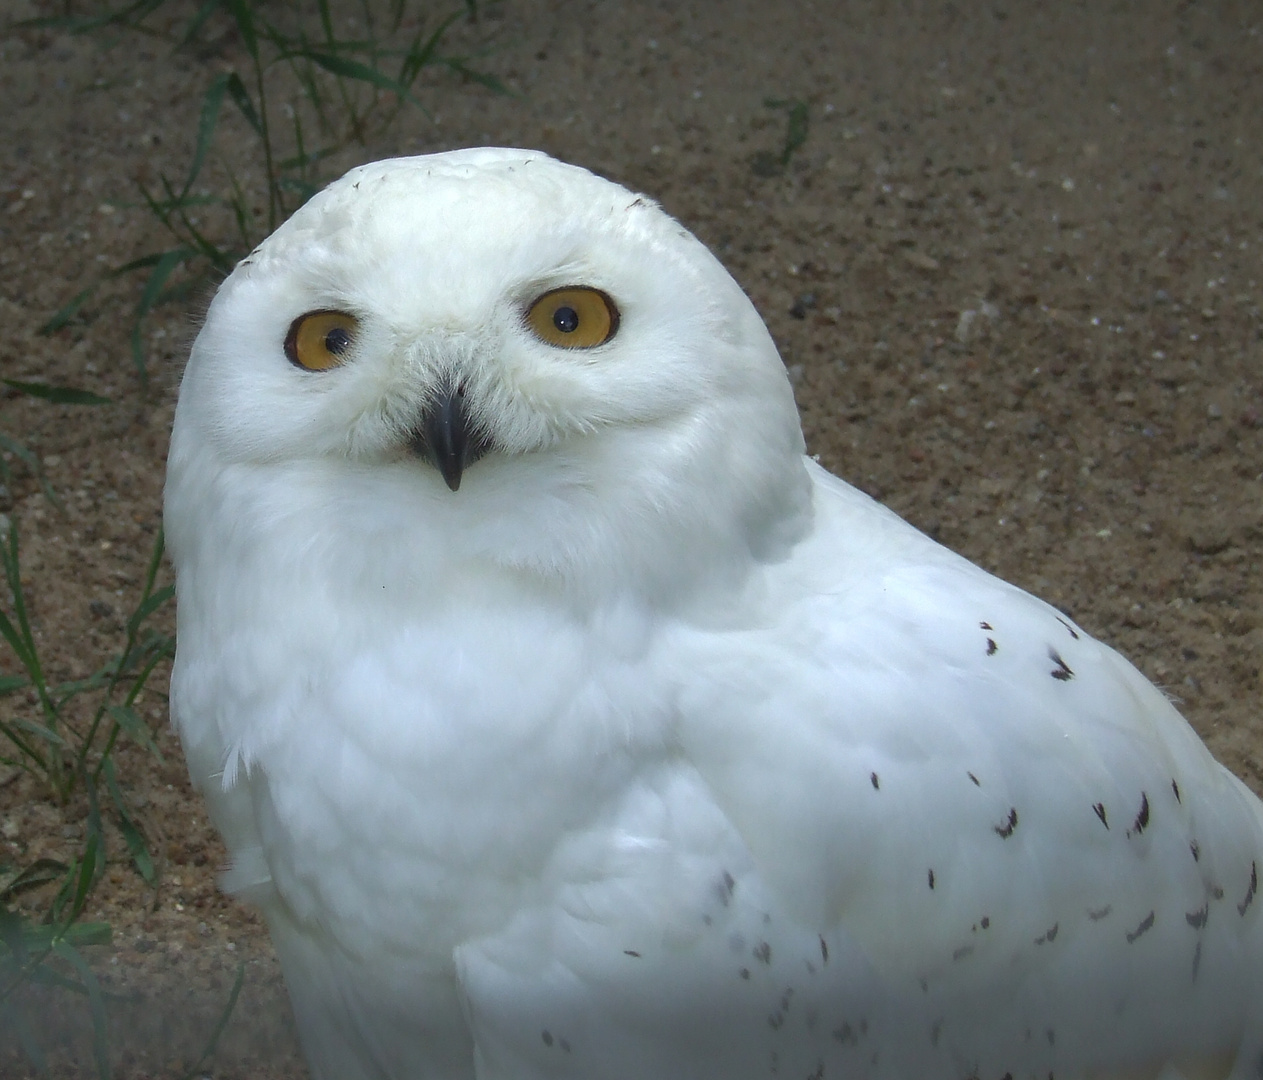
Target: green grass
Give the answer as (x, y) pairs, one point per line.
(41, 736)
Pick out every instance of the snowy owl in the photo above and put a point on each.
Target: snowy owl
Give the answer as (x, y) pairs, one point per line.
(566, 721)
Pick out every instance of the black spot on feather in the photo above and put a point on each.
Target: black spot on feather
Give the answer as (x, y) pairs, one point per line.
(1099, 808)
(1197, 919)
(824, 950)
(1244, 906)
(931, 879)
(1049, 935)
(1005, 829)
(986, 626)
(1062, 670)
(1099, 913)
(631, 952)
(872, 779)
(977, 782)
(1146, 924)
(1073, 633)
(1176, 788)
(1142, 817)
(992, 647)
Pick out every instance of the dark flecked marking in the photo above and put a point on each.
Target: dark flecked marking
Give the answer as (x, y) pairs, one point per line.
(846, 1035)
(992, 647)
(824, 950)
(931, 877)
(986, 626)
(985, 923)
(1244, 906)
(631, 952)
(1197, 959)
(547, 1037)
(1099, 809)
(1197, 919)
(1196, 849)
(1146, 924)
(763, 952)
(1100, 913)
(1062, 670)
(1217, 892)
(1142, 817)
(1049, 935)
(872, 779)
(962, 952)
(977, 782)
(775, 1021)
(1005, 830)
(1176, 788)
(1073, 633)
(564, 1045)
(936, 1030)
(745, 973)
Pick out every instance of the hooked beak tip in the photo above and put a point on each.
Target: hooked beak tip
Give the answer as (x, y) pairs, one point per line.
(447, 439)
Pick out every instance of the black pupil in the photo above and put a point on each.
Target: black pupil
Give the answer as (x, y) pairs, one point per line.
(566, 319)
(337, 341)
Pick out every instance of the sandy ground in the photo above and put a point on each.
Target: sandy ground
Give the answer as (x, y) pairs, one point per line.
(1014, 272)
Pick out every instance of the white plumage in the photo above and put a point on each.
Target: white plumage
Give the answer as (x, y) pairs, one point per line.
(654, 751)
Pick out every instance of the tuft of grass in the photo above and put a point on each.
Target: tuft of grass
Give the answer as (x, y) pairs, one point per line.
(767, 164)
(39, 736)
(59, 395)
(346, 89)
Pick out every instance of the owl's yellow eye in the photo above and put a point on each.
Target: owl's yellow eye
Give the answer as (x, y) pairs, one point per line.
(320, 340)
(574, 317)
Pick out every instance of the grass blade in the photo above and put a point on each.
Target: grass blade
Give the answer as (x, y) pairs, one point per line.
(128, 720)
(220, 1024)
(60, 395)
(243, 15)
(352, 69)
(149, 605)
(100, 1040)
(197, 22)
(135, 841)
(482, 78)
(166, 265)
(68, 311)
(40, 872)
(241, 98)
(211, 102)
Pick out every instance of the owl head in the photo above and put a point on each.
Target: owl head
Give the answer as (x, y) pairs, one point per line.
(500, 356)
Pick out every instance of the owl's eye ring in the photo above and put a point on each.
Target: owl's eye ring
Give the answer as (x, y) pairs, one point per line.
(573, 317)
(320, 340)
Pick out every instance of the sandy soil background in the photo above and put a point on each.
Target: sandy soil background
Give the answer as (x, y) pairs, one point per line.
(1014, 272)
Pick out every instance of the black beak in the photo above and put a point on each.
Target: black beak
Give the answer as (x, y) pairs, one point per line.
(445, 437)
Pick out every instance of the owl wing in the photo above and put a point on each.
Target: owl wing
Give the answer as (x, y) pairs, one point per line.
(920, 824)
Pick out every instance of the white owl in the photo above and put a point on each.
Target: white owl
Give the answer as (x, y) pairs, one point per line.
(564, 720)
